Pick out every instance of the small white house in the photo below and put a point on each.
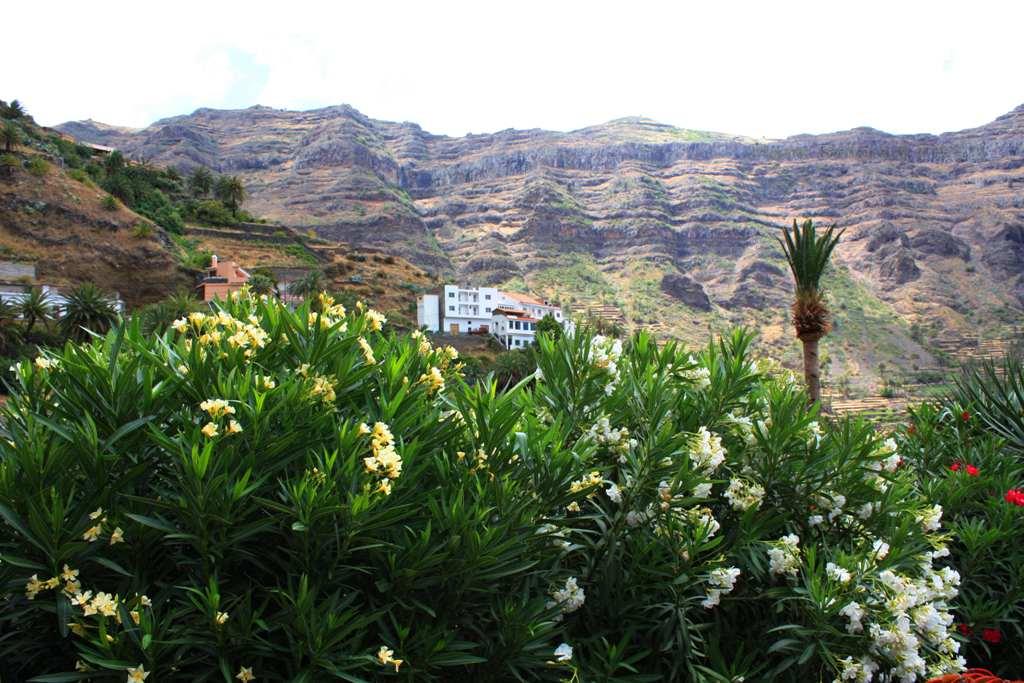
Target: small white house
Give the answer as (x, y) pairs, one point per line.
(514, 328)
(510, 316)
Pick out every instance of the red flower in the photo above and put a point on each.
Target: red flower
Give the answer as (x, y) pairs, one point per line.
(972, 470)
(955, 467)
(992, 635)
(1015, 496)
(965, 630)
(965, 416)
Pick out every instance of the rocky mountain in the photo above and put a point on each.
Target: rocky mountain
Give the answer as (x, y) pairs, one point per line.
(675, 227)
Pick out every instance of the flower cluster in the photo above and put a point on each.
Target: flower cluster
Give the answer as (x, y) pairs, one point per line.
(592, 481)
(784, 555)
(971, 470)
(385, 460)
(605, 354)
(743, 494)
(218, 408)
(1015, 496)
(569, 598)
(707, 452)
(698, 374)
(433, 380)
(211, 329)
(617, 440)
(721, 581)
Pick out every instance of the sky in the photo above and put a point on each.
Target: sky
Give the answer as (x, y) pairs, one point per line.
(764, 69)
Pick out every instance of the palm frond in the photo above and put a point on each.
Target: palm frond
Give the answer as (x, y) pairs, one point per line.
(808, 255)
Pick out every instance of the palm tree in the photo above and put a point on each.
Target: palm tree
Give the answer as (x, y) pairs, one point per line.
(11, 135)
(311, 284)
(231, 191)
(200, 182)
(14, 110)
(10, 334)
(87, 309)
(35, 307)
(157, 317)
(261, 283)
(808, 255)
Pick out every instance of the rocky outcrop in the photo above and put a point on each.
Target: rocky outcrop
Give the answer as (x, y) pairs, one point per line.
(686, 290)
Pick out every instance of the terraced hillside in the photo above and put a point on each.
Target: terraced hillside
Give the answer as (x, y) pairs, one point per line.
(674, 228)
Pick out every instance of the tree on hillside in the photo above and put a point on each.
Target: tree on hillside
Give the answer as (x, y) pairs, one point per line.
(311, 284)
(808, 255)
(550, 327)
(261, 283)
(87, 308)
(14, 110)
(200, 183)
(35, 307)
(115, 163)
(11, 135)
(231, 191)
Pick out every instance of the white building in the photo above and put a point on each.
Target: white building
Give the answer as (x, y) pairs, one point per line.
(509, 316)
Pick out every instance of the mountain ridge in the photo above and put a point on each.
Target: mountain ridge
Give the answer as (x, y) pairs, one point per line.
(675, 227)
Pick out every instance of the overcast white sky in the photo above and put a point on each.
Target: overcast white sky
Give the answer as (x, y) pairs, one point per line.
(768, 68)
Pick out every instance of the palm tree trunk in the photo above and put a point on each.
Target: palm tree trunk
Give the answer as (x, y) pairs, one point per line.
(812, 369)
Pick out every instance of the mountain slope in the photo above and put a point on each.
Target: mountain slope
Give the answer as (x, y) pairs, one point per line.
(675, 227)
(61, 225)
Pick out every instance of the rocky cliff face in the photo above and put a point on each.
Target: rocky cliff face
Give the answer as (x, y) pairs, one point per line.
(674, 226)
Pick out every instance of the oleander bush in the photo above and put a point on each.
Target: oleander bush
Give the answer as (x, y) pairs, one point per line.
(968, 466)
(260, 493)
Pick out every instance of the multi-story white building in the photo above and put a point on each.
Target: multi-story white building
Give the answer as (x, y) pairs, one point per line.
(509, 316)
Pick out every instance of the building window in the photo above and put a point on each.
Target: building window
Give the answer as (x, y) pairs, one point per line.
(488, 309)
(451, 295)
(451, 308)
(488, 297)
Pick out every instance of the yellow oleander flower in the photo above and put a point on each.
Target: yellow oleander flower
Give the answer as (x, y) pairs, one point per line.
(117, 536)
(381, 436)
(386, 657)
(371, 464)
(105, 604)
(96, 514)
(197, 318)
(367, 351)
(69, 574)
(93, 533)
(180, 325)
(389, 459)
(136, 616)
(267, 383)
(363, 429)
(384, 487)
(79, 664)
(82, 599)
(303, 370)
(33, 587)
(222, 618)
(323, 389)
(217, 407)
(137, 674)
(183, 369)
(145, 602)
(44, 363)
(73, 588)
(77, 629)
(245, 674)
(376, 320)
(433, 379)
(210, 430)
(234, 427)
(51, 583)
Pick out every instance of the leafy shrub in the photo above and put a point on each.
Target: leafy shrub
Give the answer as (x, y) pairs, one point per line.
(965, 466)
(996, 394)
(213, 212)
(80, 175)
(110, 202)
(142, 230)
(297, 493)
(8, 163)
(38, 167)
